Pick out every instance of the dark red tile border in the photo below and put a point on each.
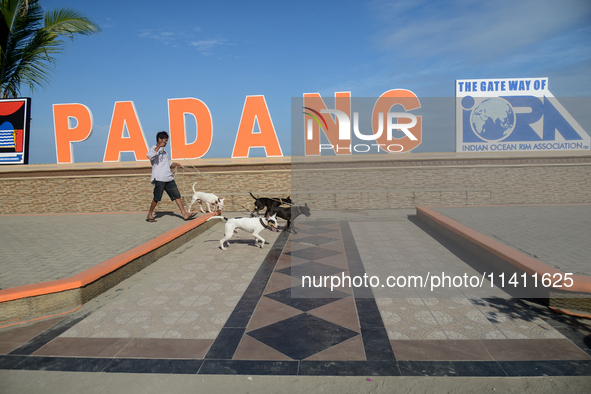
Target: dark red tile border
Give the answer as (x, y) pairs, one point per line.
(440, 350)
(166, 348)
(533, 349)
(83, 347)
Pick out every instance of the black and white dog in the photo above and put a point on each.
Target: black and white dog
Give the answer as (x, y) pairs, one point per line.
(290, 214)
(253, 225)
(265, 202)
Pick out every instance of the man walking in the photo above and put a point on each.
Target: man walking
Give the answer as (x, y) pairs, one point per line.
(163, 178)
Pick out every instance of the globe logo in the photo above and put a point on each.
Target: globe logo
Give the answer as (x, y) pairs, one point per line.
(493, 119)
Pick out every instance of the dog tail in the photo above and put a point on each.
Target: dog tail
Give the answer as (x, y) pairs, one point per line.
(194, 191)
(217, 217)
(252, 195)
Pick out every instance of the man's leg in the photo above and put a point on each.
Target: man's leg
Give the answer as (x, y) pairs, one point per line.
(175, 195)
(151, 211)
(179, 202)
(158, 190)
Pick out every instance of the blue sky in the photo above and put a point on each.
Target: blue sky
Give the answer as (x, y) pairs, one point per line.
(222, 51)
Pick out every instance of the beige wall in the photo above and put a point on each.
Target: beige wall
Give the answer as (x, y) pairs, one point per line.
(387, 181)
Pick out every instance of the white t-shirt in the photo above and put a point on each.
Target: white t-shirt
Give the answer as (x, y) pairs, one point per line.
(160, 165)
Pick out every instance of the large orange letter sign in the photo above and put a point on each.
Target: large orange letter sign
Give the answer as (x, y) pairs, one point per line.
(177, 109)
(64, 134)
(314, 108)
(125, 116)
(412, 135)
(255, 109)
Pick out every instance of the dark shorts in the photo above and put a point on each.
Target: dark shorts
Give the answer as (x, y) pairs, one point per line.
(169, 187)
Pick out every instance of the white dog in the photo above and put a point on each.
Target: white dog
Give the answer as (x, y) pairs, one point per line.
(207, 198)
(254, 225)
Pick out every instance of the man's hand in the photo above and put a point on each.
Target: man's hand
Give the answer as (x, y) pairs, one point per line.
(161, 143)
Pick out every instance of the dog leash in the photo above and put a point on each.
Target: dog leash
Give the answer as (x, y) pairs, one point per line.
(183, 157)
(278, 199)
(194, 168)
(247, 210)
(204, 174)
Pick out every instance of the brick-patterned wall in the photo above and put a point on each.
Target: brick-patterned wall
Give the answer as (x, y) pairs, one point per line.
(324, 183)
(131, 193)
(462, 185)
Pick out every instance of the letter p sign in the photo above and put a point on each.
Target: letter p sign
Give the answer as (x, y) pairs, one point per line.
(72, 123)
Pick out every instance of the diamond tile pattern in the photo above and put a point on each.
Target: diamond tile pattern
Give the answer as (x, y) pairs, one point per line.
(312, 253)
(305, 335)
(308, 298)
(310, 269)
(315, 240)
(315, 230)
(302, 336)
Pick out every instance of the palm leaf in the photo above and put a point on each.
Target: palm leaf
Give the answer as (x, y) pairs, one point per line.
(69, 22)
(34, 38)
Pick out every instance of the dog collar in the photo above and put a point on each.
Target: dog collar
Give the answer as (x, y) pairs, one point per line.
(263, 223)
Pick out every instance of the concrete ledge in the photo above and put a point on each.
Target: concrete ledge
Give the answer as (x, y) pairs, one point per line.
(575, 299)
(43, 298)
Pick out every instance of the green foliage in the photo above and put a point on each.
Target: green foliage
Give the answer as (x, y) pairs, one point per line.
(30, 39)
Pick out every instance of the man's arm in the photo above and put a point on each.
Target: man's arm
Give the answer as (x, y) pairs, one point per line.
(153, 152)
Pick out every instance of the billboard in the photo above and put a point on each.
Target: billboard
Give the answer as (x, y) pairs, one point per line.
(15, 117)
(518, 114)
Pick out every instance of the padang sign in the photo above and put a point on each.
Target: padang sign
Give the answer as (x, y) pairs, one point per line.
(513, 115)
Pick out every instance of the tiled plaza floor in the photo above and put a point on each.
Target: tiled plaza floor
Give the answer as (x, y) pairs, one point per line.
(272, 311)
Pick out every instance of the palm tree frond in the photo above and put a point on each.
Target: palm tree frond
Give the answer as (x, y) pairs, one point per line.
(29, 40)
(68, 22)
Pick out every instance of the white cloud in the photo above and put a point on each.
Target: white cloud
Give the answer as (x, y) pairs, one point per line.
(181, 37)
(474, 30)
(164, 36)
(205, 45)
(425, 42)
(109, 22)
